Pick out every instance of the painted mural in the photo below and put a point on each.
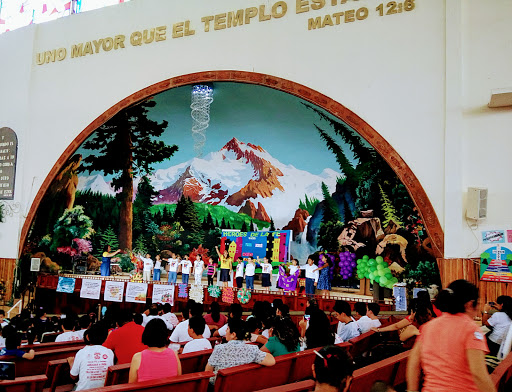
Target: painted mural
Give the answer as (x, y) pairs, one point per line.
(171, 172)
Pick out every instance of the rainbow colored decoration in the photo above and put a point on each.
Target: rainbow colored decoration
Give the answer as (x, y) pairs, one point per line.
(496, 264)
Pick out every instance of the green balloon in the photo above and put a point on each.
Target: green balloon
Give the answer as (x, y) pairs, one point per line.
(373, 268)
(360, 276)
(367, 275)
(371, 263)
(359, 261)
(365, 257)
(380, 266)
(372, 276)
(389, 275)
(382, 273)
(379, 259)
(383, 281)
(378, 279)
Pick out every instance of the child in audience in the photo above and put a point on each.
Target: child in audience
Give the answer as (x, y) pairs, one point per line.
(212, 268)
(254, 327)
(239, 275)
(311, 276)
(186, 265)
(3, 322)
(333, 369)
(249, 273)
(360, 309)
(284, 338)
(68, 326)
(370, 320)
(2, 339)
(84, 323)
(173, 269)
(348, 328)
(215, 319)
(198, 270)
(12, 344)
(195, 330)
(266, 273)
(91, 363)
(157, 361)
(156, 268)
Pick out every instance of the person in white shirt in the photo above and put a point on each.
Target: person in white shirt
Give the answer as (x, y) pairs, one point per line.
(84, 322)
(156, 269)
(91, 363)
(235, 312)
(499, 322)
(69, 334)
(348, 328)
(174, 263)
(370, 320)
(169, 317)
(239, 274)
(186, 265)
(150, 314)
(148, 266)
(195, 330)
(198, 270)
(180, 333)
(3, 322)
(249, 273)
(266, 272)
(311, 276)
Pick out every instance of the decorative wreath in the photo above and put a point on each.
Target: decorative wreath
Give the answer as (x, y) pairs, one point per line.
(214, 291)
(197, 293)
(244, 296)
(228, 296)
(182, 291)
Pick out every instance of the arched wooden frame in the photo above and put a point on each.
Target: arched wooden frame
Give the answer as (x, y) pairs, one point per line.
(394, 160)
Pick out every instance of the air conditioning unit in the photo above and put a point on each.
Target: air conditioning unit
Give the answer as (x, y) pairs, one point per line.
(476, 207)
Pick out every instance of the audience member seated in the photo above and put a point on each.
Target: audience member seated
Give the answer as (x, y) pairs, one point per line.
(68, 334)
(150, 314)
(138, 319)
(284, 338)
(169, 317)
(2, 339)
(318, 332)
(126, 340)
(348, 328)
(381, 386)
(12, 344)
(91, 362)
(84, 323)
(370, 320)
(424, 296)
(499, 322)
(235, 313)
(215, 320)
(157, 361)
(332, 370)
(180, 333)
(450, 350)
(254, 327)
(195, 330)
(3, 321)
(283, 311)
(235, 352)
(360, 309)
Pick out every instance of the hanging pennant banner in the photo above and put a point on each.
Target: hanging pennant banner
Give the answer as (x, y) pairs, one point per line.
(113, 291)
(163, 294)
(66, 285)
(136, 292)
(91, 288)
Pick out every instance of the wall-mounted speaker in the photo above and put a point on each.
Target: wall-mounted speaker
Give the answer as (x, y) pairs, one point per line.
(476, 207)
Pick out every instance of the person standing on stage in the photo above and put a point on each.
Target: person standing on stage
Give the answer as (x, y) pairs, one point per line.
(148, 266)
(105, 260)
(225, 266)
(156, 268)
(198, 270)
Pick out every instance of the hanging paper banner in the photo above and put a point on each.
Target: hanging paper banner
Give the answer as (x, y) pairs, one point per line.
(136, 292)
(493, 237)
(66, 285)
(496, 264)
(163, 294)
(113, 291)
(273, 244)
(91, 288)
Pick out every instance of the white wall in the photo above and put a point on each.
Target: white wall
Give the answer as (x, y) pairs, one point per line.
(389, 70)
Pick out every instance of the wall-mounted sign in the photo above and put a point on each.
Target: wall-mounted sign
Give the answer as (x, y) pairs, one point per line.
(8, 155)
(509, 235)
(35, 264)
(493, 237)
(496, 264)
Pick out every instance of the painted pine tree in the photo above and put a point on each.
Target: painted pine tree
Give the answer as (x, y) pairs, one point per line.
(388, 210)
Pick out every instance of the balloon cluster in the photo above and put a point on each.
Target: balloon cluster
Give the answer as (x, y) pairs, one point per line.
(376, 270)
(347, 264)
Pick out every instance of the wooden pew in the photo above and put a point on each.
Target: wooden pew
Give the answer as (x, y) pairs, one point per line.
(190, 363)
(390, 370)
(24, 384)
(52, 345)
(195, 382)
(502, 375)
(39, 364)
(57, 372)
(251, 377)
(301, 386)
(361, 344)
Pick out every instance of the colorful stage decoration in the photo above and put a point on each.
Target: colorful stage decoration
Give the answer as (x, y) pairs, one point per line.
(275, 245)
(377, 270)
(347, 264)
(196, 293)
(244, 296)
(66, 285)
(214, 291)
(228, 295)
(202, 98)
(91, 288)
(136, 292)
(496, 264)
(163, 294)
(114, 291)
(182, 290)
(287, 281)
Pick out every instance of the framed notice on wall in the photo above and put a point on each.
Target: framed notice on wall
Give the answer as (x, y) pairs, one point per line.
(113, 291)
(496, 264)
(136, 292)
(163, 294)
(8, 156)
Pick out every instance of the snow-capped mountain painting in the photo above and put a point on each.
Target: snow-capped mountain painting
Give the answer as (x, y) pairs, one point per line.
(237, 173)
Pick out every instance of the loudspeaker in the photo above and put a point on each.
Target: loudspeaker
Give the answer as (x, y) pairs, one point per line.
(476, 203)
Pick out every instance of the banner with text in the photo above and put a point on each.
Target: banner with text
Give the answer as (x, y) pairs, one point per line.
(113, 291)
(136, 292)
(163, 294)
(91, 288)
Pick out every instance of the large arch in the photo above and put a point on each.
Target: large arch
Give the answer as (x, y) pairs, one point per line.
(394, 160)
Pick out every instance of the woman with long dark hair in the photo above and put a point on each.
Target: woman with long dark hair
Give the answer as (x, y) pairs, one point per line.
(215, 320)
(284, 338)
(499, 322)
(451, 348)
(318, 333)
